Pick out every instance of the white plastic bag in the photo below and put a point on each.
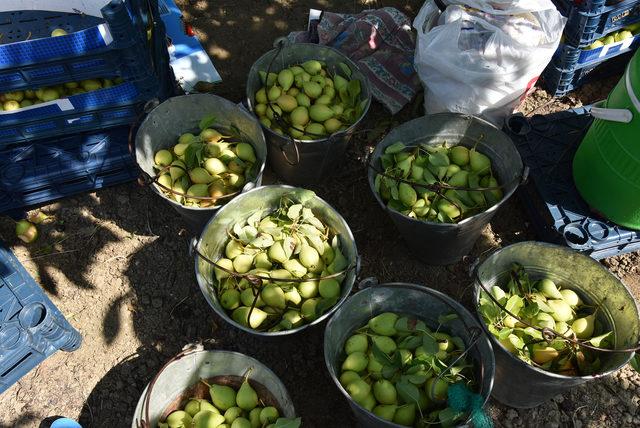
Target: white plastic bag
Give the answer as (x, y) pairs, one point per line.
(482, 57)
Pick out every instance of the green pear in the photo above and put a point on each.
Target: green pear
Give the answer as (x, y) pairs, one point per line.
(231, 414)
(329, 288)
(584, 327)
(385, 392)
(285, 79)
(480, 163)
(179, 419)
(405, 415)
(222, 396)
(549, 289)
(230, 299)
(241, 423)
(206, 419)
(247, 397)
(347, 377)
(241, 316)
(542, 354)
(383, 324)
(269, 415)
(355, 362)
(356, 343)
(561, 310)
(254, 417)
(571, 297)
(384, 343)
(358, 390)
(273, 296)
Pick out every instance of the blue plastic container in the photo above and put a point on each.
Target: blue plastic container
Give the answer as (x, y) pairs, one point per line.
(114, 45)
(547, 145)
(31, 327)
(588, 20)
(45, 170)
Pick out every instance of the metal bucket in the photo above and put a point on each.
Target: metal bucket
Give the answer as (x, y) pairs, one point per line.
(444, 243)
(306, 162)
(177, 115)
(266, 199)
(521, 385)
(179, 380)
(413, 300)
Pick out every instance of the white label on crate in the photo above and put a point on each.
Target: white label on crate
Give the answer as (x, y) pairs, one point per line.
(63, 104)
(105, 33)
(88, 7)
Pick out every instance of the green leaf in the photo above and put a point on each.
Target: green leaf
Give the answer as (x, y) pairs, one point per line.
(504, 333)
(514, 304)
(410, 342)
(489, 311)
(458, 342)
(429, 344)
(344, 96)
(206, 122)
(377, 183)
(381, 357)
(288, 423)
(600, 341)
(294, 211)
(394, 148)
(439, 159)
(635, 362)
(353, 88)
(408, 392)
(418, 378)
(444, 319)
(345, 69)
(194, 155)
(389, 371)
(530, 311)
(386, 161)
(263, 240)
(254, 219)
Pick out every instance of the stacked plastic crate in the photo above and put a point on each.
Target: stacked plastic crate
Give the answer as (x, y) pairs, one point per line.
(586, 52)
(59, 147)
(31, 327)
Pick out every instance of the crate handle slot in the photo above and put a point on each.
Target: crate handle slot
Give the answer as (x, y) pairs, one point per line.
(612, 114)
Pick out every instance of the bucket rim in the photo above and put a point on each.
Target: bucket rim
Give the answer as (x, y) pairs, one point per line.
(227, 318)
(250, 185)
(375, 156)
(345, 59)
(476, 298)
(190, 350)
(426, 290)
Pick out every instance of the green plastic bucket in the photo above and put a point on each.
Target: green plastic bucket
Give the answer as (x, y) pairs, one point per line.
(606, 167)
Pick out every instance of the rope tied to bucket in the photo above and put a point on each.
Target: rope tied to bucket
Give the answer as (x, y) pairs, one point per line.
(463, 400)
(548, 334)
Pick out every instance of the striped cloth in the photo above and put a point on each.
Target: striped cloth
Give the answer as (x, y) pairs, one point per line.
(381, 43)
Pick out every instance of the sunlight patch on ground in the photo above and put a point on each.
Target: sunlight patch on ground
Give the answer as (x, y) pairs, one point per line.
(219, 52)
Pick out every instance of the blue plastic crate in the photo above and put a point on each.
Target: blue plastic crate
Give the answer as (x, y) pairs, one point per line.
(547, 145)
(42, 171)
(114, 45)
(570, 58)
(559, 82)
(99, 109)
(31, 327)
(589, 20)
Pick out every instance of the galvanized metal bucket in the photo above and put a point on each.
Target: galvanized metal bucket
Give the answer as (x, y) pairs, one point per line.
(521, 385)
(444, 243)
(178, 115)
(179, 380)
(306, 162)
(265, 200)
(412, 300)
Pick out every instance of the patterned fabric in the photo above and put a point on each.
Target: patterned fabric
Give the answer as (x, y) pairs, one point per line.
(380, 42)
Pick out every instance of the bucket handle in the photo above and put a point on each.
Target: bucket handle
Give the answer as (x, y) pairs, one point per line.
(612, 114)
(188, 349)
(284, 152)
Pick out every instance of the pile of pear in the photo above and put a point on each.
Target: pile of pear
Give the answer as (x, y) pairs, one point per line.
(553, 307)
(11, 101)
(227, 408)
(288, 244)
(221, 168)
(412, 393)
(456, 166)
(310, 102)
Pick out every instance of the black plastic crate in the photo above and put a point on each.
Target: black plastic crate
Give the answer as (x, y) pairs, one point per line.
(31, 327)
(547, 145)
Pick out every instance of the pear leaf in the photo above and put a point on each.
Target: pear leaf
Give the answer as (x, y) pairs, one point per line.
(345, 69)
(288, 423)
(207, 121)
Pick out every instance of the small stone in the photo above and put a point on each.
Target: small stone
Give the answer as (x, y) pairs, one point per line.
(577, 423)
(156, 302)
(558, 398)
(512, 414)
(144, 299)
(625, 383)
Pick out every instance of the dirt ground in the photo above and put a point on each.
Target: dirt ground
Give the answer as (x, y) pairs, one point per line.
(116, 263)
